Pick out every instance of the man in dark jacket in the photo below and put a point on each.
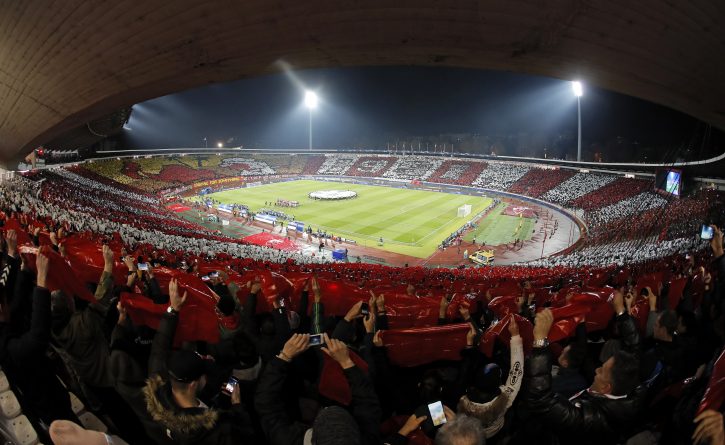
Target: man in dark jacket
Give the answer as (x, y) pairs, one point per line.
(608, 409)
(81, 333)
(333, 425)
(172, 390)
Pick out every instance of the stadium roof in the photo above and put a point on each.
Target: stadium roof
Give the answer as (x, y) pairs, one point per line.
(65, 63)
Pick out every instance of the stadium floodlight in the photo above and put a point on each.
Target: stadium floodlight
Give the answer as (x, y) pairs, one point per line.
(576, 86)
(219, 144)
(311, 101)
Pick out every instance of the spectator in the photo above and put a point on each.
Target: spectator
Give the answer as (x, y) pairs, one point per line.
(608, 410)
(333, 425)
(487, 399)
(176, 381)
(462, 430)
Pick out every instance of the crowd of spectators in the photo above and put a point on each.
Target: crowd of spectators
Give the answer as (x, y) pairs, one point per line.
(371, 166)
(538, 181)
(500, 176)
(626, 207)
(355, 354)
(336, 165)
(576, 186)
(79, 210)
(413, 167)
(457, 172)
(611, 193)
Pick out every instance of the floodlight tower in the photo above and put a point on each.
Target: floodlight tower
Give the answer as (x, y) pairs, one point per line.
(576, 86)
(311, 103)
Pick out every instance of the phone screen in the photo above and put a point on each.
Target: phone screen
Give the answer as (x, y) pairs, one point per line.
(365, 309)
(706, 232)
(229, 387)
(437, 415)
(143, 266)
(316, 340)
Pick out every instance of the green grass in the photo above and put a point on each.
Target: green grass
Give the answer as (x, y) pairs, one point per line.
(497, 228)
(411, 222)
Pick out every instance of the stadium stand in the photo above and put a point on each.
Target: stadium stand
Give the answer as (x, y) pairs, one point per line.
(538, 181)
(380, 371)
(500, 176)
(372, 166)
(457, 172)
(610, 193)
(576, 186)
(336, 164)
(413, 167)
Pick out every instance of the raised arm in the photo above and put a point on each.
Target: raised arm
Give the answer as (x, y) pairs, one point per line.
(164, 338)
(516, 372)
(35, 340)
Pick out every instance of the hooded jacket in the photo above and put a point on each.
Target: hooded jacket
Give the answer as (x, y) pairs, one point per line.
(186, 426)
(195, 425)
(491, 414)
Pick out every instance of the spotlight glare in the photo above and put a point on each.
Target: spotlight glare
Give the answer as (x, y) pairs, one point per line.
(311, 99)
(576, 86)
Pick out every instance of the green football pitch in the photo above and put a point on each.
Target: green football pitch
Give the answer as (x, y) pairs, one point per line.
(411, 222)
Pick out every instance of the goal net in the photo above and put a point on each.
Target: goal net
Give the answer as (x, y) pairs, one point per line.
(464, 210)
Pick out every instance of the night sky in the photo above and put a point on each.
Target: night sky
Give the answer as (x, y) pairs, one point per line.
(370, 107)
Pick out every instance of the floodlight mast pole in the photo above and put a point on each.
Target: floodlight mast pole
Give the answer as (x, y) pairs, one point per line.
(576, 86)
(310, 103)
(579, 139)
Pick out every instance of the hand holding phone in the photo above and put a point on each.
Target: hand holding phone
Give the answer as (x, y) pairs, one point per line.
(437, 415)
(316, 340)
(228, 388)
(365, 309)
(706, 232)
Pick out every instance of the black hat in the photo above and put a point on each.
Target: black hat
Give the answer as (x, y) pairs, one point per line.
(486, 384)
(187, 366)
(226, 305)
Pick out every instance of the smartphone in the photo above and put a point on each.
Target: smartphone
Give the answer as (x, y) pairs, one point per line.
(143, 266)
(365, 309)
(644, 292)
(437, 415)
(315, 340)
(205, 278)
(214, 275)
(229, 387)
(706, 232)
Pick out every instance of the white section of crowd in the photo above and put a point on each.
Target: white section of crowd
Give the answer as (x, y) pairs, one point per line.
(576, 186)
(500, 176)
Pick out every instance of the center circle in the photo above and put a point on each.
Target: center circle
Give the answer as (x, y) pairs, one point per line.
(332, 194)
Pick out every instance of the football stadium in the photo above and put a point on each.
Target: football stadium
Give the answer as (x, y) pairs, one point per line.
(383, 223)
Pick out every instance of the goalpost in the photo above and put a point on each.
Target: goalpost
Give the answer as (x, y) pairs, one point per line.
(464, 210)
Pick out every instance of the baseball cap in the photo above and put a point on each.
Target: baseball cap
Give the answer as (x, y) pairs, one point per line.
(187, 366)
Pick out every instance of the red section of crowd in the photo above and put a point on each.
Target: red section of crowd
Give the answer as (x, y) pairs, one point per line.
(538, 181)
(313, 164)
(611, 193)
(443, 174)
